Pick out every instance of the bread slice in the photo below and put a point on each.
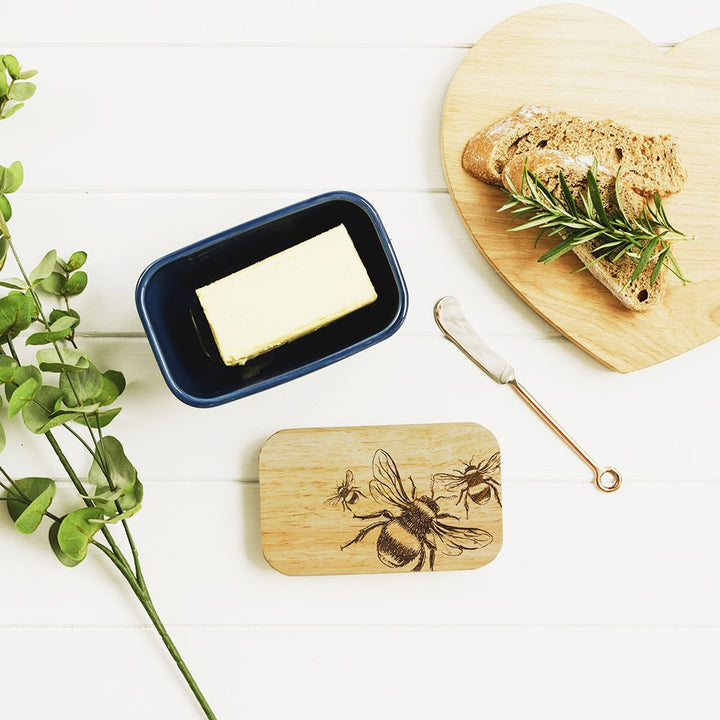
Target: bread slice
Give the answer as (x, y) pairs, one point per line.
(640, 294)
(650, 162)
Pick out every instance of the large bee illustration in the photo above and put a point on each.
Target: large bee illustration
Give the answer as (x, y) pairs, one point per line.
(417, 532)
(475, 482)
(346, 493)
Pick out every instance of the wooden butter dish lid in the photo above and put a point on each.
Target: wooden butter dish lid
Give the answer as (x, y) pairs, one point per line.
(394, 498)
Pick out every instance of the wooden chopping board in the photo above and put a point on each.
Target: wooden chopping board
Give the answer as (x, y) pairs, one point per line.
(592, 64)
(380, 499)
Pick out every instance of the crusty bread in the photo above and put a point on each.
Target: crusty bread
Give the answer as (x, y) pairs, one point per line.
(640, 294)
(650, 163)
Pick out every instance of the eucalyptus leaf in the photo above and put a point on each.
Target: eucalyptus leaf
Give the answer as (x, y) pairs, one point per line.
(76, 283)
(27, 74)
(129, 500)
(76, 531)
(24, 394)
(28, 501)
(54, 283)
(54, 544)
(77, 260)
(101, 419)
(19, 376)
(4, 247)
(5, 207)
(3, 83)
(3, 438)
(12, 65)
(22, 91)
(8, 111)
(57, 313)
(8, 366)
(44, 268)
(13, 283)
(73, 360)
(13, 177)
(17, 312)
(42, 414)
(81, 387)
(110, 471)
(62, 328)
(112, 387)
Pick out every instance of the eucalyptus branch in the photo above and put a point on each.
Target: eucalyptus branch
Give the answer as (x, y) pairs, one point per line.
(646, 240)
(61, 387)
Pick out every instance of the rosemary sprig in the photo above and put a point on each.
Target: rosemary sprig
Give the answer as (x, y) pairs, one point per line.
(644, 240)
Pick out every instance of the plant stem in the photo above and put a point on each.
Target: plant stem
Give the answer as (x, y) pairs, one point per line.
(145, 600)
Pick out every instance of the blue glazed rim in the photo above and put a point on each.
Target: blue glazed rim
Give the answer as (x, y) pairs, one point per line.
(386, 332)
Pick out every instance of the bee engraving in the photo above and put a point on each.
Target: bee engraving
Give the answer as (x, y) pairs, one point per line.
(346, 493)
(476, 483)
(417, 532)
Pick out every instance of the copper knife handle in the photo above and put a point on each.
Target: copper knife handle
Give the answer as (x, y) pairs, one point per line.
(607, 479)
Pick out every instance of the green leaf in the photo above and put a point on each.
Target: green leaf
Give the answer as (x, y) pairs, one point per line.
(22, 91)
(24, 394)
(28, 501)
(113, 386)
(77, 260)
(4, 247)
(13, 283)
(21, 374)
(3, 439)
(13, 177)
(112, 471)
(27, 74)
(5, 207)
(8, 366)
(44, 268)
(12, 65)
(56, 314)
(62, 328)
(3, 83)
(129, 500)
(121, 471)
(75, 532)
(76, 283)
(73, 360)
(54, 283)
(59, 554)
(17, 312)
(101, 419)
(41, 415)
(11, 111)
(81, 387)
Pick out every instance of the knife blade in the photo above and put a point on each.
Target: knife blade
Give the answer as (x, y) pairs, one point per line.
(456, 327)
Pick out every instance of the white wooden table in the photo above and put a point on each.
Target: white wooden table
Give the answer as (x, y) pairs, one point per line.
(159, 123)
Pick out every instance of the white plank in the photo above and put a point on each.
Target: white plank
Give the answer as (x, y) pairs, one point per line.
(367, 672)
(279, 22)
(123, 233)
(571, 557)
(202, 118)
(404, 380)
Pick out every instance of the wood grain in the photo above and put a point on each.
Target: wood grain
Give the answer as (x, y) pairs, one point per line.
(305, 523)
(594, 65)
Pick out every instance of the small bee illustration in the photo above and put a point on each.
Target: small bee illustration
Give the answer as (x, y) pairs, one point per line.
(346, 494)
(416, 533)
(475, 482)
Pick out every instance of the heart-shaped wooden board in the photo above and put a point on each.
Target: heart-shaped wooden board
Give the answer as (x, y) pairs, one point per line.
(591, 64)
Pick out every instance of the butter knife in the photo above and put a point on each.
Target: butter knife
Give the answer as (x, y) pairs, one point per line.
(456, 328)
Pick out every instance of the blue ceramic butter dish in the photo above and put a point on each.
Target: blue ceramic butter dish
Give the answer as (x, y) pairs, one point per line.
(179, 333)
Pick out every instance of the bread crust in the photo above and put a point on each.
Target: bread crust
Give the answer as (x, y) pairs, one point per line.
(640, 294)
(650, 163)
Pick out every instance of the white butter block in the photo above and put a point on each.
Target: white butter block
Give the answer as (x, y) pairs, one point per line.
(286, 296)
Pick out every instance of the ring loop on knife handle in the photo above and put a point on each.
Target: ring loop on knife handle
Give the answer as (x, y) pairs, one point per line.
(550, 420)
